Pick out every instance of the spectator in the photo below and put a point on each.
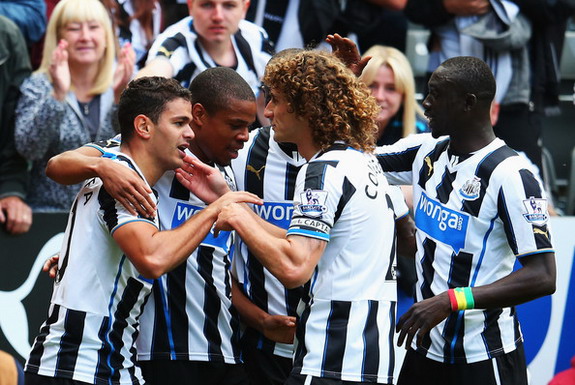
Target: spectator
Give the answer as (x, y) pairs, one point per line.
(280, 20)
(29, 15)
(213, 35)
(71, 99)
(389, 76)
(15, 214)
(138, 23)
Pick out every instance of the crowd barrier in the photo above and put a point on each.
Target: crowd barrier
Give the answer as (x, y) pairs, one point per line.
(548, 323)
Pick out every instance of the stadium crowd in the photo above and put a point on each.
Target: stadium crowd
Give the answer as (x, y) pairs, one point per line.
(248, 189)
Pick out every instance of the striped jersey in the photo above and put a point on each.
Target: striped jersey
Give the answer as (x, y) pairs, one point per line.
(180, 45)
(475, 214)
(190, 314)
(98, 297)
(269, 170)
(345, 326)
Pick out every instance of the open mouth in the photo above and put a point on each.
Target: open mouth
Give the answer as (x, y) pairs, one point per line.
(182, 149)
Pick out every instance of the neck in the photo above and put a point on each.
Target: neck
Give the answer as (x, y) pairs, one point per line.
(149, 167)
(221, 52)
(471, 139)
(83, 79)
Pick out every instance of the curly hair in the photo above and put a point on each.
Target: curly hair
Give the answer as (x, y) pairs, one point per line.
(319, 88)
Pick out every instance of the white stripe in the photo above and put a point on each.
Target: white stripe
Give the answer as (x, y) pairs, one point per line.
(496, 371)
(307, 380)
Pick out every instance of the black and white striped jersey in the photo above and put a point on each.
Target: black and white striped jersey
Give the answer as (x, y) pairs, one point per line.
(98, 297)
(475, 214)
(346, 324)
(179, 44)
(269, 170)
(190, 314)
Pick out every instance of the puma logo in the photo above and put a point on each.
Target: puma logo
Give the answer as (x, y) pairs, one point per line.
(251, 168)
(539, 231)
(165, 52)
(429, 165)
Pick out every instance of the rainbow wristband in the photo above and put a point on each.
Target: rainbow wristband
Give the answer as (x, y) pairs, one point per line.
(464, 298)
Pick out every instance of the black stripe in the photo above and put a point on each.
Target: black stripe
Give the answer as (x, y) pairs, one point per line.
(390, 271)
(492, 334)
(66, 257)
(402, 161)
(212, 303)
(454, 324)
(484, 170)
(291, 176)
(254, 173)
(38, 348)
(133, 351)
(178, 191)
(428, 167)
(507, 223)
(108, 206)
(102, 368)
(171, 44)
(348, 190)
(256, 277)
(446, 186)
(301, 350)
(293, 297)
(70, 343)
(185, 75)
(391, 353)
(336, 336)
(532, 188)
(245, 51)
(236, 333)
(370, 338)
(130, 297)
(427, 267)
(460, 269)
(177, 294)
(316, 172)
(160, 341)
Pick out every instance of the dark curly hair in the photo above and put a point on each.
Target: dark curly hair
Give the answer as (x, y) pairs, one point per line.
(318, 87)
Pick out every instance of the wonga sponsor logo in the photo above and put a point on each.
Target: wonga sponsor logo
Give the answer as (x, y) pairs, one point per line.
(183, 211)
(275, 212)
(443, 224)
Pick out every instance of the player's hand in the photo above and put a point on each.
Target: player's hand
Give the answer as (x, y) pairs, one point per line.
(421, 318)
(51, 266)
(231, 212)
(15, 214)
(346, 51)
(205, 182)
(279, 328)
(124, 70)
(467, 7)
(126, 186)
(60, 71)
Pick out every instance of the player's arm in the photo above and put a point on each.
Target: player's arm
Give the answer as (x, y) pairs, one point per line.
(278, 328)
(159, 66)
(122, 183)
(406, 244)
(514, 289)
(291, 260)
(155, 252)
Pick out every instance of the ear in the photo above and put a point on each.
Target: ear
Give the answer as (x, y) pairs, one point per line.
(246, 6)
(470, 101)
(143, 126)
(199, 114)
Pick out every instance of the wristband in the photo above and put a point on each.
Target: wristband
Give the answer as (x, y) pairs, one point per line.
(452, 300)
(463, 298)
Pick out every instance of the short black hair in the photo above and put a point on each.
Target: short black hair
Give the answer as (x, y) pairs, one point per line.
(473, 75)
(215, 87)
(147, 96)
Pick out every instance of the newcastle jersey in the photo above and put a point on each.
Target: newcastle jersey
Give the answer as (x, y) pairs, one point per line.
(98, 296)
(269, 170)
(345, 326)
(180, 45)
(475, 214)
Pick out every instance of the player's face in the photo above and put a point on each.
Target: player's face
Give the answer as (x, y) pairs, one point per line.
(173, 133)
(221, 135)
(285, 122)
(216, 20)
(384, 91)
(86, 41)
(441, 103)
